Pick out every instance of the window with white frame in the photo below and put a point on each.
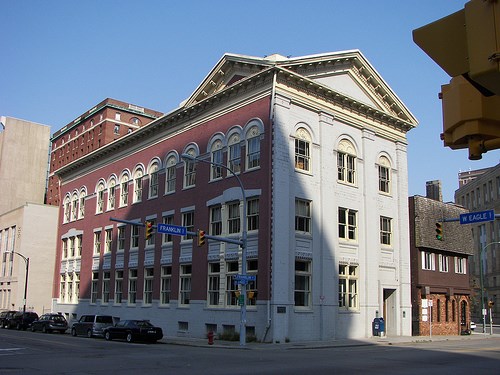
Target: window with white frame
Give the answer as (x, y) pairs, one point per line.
(81, 206)
(79, 245)
(233, 220)
(106, 279)
(347, 224)
(124, 191)
(213, 283)
(153, 180)
(428, 262)
(121, 238)
(108, 240)
(443, 263)
(253, 148)
(190, 170)
(303, 150)
(132, 286)
(232, 292)
(76, 289)
(70, 288)
(74, 207)
(385, 230)
(72, 250)
(346, 163)
(118, 286)
(460, 265)
(188, 222)
(166, 285)
(111, 194)
(166, 237)
(62, 288)
(216, 160)
(67, 210)
(253, 214)
(138, 186)
(170, 175)
(384, 175)
(64, 249)
(94, 288)
(234, 153)
(302, 293)
(348, 287)
(97, 242)
(100, 198)
(185, 284)
(134, 236)
(148, 285)
(216, 220)
(302, 215)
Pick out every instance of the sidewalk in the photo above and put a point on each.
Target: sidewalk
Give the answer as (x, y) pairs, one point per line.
(322, 344)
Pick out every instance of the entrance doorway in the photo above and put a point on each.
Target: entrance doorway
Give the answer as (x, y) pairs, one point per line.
(389, 313)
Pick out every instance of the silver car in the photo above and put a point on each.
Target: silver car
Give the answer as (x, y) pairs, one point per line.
(93, 325)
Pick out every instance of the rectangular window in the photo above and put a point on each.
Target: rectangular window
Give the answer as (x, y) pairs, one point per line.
(383, 179)
(216, 170)
(97, 242)
(346, 168)
(79, 238)
(124, 193)
(347, 223)
(132, 286)
(189, 173)
(100, 200)
(443, 263)
(428, 262)
(233, 221)
(385, 230)
(216, 220)
(118, 286)
(111, 197)
(138, 189)
(167, 238)
(134, 239)
(121, 238)
(253, 214)
(94, 292)
(148, 285)
(82, 207)
(253, 152)
(72, 250)
(302, 216)
(108, 239)
(166, 284)
(170, 179)
(232, 292)
(302, 283)
(185, 284)
(188, 222)
(153, 184)
(105, 287)
(348, 287)
(62, 289)
(302, 155)
(64, 250)
(213, 283)
(460, 265)
(235, 157)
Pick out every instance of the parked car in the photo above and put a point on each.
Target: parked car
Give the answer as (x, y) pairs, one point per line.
(93, 325)
(4, 315)
(49, 323)
(21, 320)
(133, 330)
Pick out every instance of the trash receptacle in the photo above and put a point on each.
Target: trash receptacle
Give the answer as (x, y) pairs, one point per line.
(381, 329)
(376, 327)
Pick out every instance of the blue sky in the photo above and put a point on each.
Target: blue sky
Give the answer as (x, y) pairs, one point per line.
(60, 58)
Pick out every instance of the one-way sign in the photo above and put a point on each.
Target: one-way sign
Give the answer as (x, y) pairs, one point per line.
(477, 217)
(176, 230)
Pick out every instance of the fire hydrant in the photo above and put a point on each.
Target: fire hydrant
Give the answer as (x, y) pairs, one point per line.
(210, 336)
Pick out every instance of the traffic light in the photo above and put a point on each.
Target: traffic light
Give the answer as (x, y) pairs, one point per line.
(201, 237)
(466, 45)
(149, 229)
(439, 231)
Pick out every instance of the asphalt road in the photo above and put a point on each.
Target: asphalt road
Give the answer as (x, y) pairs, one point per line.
(38, 353)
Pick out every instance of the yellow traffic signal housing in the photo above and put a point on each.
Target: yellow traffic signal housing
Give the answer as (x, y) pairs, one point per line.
(201, 237)
(149, 229)
(469, 117)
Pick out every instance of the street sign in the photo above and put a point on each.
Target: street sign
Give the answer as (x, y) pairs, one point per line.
(477, 217)
(175, 230)
(244, 279)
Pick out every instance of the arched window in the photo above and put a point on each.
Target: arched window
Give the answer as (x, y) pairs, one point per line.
(100, 198)
(384, 175)
(302, 150)
(346, 162)
(153, 179)
(170, 175)
(253, 148)
(67, 209)
(216, 158)
(81, 206)
(138, 185)
(124, 190)
(74, 207)
(111, 194)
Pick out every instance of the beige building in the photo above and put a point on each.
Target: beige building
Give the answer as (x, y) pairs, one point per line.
(27, 226)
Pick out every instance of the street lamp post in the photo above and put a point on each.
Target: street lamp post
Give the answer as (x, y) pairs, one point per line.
(243, 244)
(27, 261)
(481, 277)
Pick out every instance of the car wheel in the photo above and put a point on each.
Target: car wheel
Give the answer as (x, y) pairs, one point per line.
(73, 332)
(18, 326)
(89, 333)
(129, 337)
(107, 335)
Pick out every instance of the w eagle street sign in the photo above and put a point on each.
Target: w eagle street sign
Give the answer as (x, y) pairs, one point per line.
(176, 230)
(477, 217)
